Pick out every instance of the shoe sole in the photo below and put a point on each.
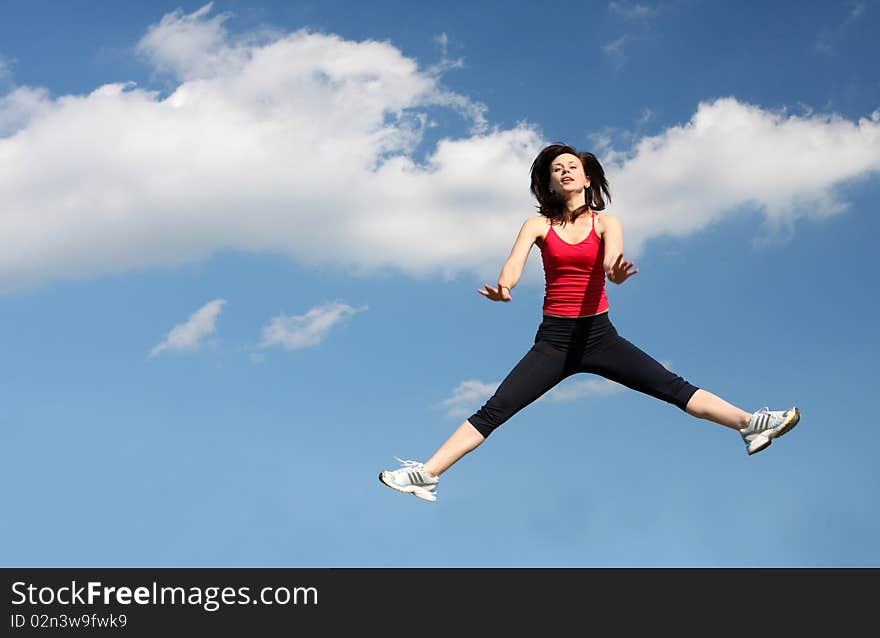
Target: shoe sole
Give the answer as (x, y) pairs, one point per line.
(416, 491)
(786, 427)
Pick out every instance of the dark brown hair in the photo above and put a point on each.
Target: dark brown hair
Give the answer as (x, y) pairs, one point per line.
(553, 205)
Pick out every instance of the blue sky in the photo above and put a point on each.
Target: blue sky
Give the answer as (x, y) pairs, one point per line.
(241, 244)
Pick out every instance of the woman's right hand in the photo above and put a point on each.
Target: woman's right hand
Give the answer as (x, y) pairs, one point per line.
(501, 293)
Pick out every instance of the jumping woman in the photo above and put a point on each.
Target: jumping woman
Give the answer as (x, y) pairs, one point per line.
(580, 248)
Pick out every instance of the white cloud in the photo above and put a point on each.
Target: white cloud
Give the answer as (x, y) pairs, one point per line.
(474, 110)
(732, 154)
(577, 388)
(19, 107)
(304, 144)
(301, 145)
(192, 46)
(189, 335)
(310, 329)
(470, 395)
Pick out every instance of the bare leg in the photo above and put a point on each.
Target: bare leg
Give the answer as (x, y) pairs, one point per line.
(705, 405)
(465, 439)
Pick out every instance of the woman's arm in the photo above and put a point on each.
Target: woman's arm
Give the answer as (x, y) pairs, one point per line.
(616, 268)
(513, 267)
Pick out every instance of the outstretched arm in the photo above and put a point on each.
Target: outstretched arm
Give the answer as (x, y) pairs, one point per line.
(616, 268)
(513, 267)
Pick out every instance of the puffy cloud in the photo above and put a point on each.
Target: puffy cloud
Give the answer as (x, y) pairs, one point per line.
(312, 146)
(731, 155)
(193, 46)
(310, 329)
(21, 105)
(579, 388)
(301, 145)
(189, 335)
(469, 395)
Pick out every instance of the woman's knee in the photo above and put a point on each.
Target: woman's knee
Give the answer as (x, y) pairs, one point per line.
(491, 416)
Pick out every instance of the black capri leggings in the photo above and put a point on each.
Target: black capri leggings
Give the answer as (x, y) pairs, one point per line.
(565, 346)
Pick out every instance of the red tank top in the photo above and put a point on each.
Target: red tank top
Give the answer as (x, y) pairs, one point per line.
(575, 275)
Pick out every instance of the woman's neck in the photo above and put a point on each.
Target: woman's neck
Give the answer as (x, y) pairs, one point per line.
(575, 201)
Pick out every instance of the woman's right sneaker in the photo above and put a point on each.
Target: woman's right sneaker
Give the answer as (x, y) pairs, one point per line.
(766, 425)
(411, 479)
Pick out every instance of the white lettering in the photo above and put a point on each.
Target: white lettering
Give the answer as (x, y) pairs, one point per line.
(77, 594)
(23, 598)
(94, 591)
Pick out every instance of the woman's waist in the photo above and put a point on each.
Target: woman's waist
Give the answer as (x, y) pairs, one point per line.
(564, 331)
(571, 324)
(585, 318)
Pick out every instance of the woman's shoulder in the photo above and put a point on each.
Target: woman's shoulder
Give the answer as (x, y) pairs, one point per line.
(535, 223)
(538, 224)
(535, 227)
(603, 218)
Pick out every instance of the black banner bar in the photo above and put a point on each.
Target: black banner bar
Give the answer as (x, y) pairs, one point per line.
(275, 601)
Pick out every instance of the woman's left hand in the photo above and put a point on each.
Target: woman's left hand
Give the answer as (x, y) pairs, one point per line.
(620, 271)
(496, 294)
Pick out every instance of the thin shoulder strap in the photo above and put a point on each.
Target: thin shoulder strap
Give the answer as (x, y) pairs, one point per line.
(593, 219)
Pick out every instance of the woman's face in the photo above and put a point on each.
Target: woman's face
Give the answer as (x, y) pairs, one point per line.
(567, 174)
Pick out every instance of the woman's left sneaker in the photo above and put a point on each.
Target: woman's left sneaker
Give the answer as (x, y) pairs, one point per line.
(766, 425)
(411, 479)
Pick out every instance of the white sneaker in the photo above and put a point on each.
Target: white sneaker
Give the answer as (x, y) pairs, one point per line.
(766, 425)
(411, 479)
